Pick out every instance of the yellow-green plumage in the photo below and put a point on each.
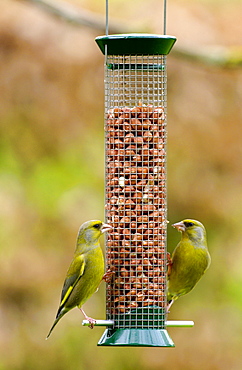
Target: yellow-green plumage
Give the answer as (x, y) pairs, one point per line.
(86, 270)
(189, 261)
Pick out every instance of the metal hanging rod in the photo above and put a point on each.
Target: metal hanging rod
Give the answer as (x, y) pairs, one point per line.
(164, 11)
(106, 17)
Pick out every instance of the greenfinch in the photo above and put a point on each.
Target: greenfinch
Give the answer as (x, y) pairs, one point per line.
(189, 260)
(85, 272)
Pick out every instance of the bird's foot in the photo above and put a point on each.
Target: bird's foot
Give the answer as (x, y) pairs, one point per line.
(91, 321)
(169, 263)
(168, 256)
(107, 277)
(169, 306)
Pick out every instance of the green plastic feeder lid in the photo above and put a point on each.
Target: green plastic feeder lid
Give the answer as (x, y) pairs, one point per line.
(136, 44)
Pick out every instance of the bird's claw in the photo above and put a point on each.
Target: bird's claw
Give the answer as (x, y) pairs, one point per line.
(169, 306)
(91, 321)
(168, 256)
(169, 263)
(107, 277)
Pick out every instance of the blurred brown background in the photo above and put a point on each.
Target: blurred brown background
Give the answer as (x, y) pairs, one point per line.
(52, 179)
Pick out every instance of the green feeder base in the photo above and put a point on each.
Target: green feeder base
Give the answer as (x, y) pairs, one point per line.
(136, 338)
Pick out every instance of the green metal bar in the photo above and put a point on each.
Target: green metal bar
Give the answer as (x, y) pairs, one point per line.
(115, 66)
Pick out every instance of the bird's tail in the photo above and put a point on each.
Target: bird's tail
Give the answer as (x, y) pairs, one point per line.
(59, 315)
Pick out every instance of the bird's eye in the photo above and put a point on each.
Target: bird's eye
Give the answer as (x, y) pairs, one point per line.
(96, 226)
(188, 224)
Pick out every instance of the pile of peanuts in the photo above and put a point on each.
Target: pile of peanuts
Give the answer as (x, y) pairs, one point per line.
(136, 207)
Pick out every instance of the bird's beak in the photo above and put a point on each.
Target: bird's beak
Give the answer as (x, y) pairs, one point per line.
(106, 227)
(180, 226)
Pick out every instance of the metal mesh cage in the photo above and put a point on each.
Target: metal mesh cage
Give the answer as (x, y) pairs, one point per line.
(135, 191)
(135, 142)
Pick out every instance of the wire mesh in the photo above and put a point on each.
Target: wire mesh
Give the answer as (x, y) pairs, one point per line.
(135, 197)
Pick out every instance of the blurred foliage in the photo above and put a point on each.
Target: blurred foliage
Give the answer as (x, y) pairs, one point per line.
(52, 180)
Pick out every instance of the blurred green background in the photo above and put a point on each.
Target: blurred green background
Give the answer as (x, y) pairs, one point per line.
(52, 180)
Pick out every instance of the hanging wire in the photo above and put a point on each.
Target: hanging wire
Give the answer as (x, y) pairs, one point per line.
(164, 25)
(106, 46)
(164, 30)
(106, 17)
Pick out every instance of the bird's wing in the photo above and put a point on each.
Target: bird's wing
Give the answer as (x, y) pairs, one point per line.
(75, 272)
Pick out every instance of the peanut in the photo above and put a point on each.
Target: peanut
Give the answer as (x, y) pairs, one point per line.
(136, 207)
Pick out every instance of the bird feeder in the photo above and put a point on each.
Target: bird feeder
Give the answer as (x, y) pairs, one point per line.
(135, 191)
(135, 198)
